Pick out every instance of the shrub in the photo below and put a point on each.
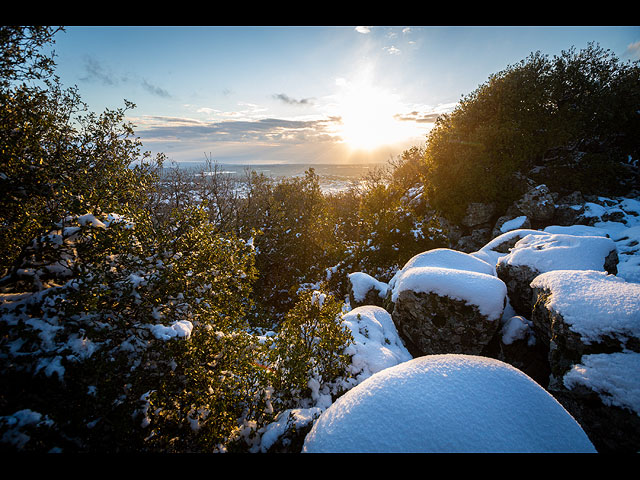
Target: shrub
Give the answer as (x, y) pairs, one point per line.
(538, 118)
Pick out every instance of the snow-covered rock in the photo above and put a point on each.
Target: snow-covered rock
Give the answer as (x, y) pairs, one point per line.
(446, 310)
(591, 322)
(447, 403)
(543, 252)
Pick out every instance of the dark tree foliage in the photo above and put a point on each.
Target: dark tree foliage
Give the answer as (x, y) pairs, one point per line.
(570, 121)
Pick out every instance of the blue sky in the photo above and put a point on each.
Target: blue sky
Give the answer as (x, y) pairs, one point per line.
(309, 94)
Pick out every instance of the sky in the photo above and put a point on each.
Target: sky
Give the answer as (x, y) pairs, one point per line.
(299, 94)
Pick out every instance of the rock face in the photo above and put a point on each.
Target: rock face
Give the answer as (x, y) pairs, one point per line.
(591, 322)
(432, 324)
(478, 213)
(542, 252)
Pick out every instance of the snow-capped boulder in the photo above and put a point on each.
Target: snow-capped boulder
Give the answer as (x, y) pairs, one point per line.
(366, 290)
(584, 312)
(543, 252)
(447, 404)
(592, 322)
(446, 310)
(501, 245)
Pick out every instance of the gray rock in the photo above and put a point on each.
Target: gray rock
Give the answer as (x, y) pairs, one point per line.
(478, 213)
(605, 329)
(433, 324)
(537, 204)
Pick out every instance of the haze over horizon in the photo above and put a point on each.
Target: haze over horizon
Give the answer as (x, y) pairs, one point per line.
(251, 95)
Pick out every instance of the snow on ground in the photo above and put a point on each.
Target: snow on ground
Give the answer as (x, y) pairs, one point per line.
(448, 404)
(544, 252)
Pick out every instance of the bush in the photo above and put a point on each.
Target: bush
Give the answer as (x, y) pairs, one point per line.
(308, 354)
(538, 118)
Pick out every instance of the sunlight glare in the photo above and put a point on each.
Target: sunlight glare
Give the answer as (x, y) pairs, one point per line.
(369, 116)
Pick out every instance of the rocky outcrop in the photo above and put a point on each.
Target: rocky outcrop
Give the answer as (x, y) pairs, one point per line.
(542, 252)
(590, 360)
(591, 323)
(537, 205)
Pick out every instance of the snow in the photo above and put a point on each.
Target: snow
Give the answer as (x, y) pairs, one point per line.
(361, 283)
(447, 404)
(513, 224)
(593, 303)
(545, 252)
(579, 230)
(445, 258)
(293, 418)
(486, 292)
(517, 328)
(377, 344)
(490, 255)
(179, 329)
(614, 376)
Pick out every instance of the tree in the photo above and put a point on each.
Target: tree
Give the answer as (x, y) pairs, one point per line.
(56, 159)
(568, 121)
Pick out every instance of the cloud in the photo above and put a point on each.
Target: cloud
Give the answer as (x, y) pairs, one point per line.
(633, 50)
(364, 30)
(266, 130)
(155, 90)
(417, 117)
(96, 71)
(392, 50)
(292, 101)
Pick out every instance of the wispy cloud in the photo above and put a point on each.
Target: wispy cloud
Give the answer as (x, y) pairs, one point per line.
(97, 71)
(292, 101)
(364, 30)
(417, 117)
(94, 70)
(154, 89)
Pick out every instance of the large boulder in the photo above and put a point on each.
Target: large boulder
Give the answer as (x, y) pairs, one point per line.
(591, 322)
(447, 404)
(445, 310)
(543, 252)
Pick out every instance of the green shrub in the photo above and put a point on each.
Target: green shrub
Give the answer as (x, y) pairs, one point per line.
(537, 118)
(309, 347)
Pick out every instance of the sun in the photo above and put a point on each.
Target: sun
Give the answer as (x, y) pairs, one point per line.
(369, 116)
